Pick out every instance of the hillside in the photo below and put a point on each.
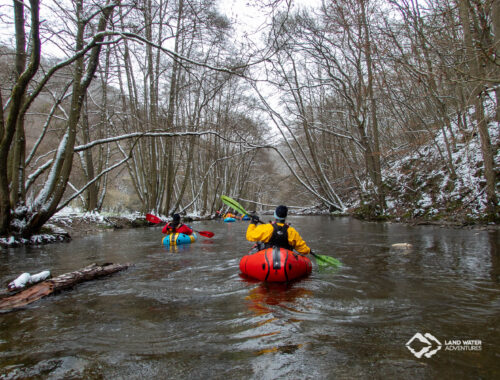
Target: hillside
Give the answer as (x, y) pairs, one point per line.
(422, 188)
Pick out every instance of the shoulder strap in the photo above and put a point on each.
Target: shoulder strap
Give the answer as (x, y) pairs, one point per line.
(279, 237)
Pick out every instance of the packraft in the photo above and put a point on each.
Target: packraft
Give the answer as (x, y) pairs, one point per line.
(275, 265)
(176, 239)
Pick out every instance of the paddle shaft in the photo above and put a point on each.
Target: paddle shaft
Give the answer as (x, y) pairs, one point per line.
(235, 205)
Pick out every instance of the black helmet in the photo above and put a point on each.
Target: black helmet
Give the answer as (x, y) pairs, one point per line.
(176, 219)
(281, 212)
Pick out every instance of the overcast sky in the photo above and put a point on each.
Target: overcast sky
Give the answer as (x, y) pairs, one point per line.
(250, 17)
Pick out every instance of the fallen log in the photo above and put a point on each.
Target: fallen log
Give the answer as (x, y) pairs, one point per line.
(59, 283)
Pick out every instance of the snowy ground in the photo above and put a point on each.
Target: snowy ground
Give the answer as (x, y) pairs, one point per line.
(71, 222)
(421, 185)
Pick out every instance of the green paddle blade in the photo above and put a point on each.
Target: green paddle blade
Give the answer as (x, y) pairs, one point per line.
(233, 204)
(324, 261)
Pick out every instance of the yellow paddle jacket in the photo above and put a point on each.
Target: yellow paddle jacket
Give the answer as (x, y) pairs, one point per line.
(264, 232)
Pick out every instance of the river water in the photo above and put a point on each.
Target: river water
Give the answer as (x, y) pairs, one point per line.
(188, 314)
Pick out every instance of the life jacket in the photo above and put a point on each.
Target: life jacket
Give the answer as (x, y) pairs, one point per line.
(279, 238)
(179, 228)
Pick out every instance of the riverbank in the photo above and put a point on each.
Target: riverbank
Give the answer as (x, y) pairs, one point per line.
(71, 224)
(456, 224)
(77, 224)
(457, 220)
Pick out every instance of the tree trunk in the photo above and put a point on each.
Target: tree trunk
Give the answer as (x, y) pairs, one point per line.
(495, 17)
(59, 283)
(16, 155)
(375, 154)
(88, 164)
(171, 111)
(486, 147)
(16, 100)
(45, 205)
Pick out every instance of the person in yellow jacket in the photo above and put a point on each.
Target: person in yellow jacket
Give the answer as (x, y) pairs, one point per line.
(276, 233)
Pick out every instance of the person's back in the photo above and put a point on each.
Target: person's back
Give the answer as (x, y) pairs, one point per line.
(277, 233)
(175, 226)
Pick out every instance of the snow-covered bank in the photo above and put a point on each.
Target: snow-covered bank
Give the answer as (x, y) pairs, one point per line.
(429, 186)
(72, 223)
(42, 238)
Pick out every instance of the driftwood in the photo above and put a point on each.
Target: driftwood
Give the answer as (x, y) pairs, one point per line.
(56, 284)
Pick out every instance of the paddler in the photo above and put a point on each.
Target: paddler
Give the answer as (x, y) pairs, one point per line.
(175, 226)
(276, 233)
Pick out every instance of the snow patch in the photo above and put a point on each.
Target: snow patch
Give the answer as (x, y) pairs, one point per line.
(421, 184)
(40, 239)
(26, 278)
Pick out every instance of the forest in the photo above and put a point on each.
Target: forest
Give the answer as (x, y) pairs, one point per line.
(376, 108)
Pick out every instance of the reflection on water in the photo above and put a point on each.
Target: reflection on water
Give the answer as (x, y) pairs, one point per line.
(185, 311)
(265, 299)
(177, 248)
(267, 295)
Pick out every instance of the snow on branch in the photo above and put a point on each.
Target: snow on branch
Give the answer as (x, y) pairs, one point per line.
(234, 70)
(91, 144)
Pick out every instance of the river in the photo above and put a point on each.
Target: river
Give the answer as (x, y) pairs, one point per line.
(188, 314)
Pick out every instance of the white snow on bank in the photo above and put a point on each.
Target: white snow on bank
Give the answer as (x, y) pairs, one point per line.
(422, 183)
(12, 241)
(68, 215)
(71, 212)
(65, 217)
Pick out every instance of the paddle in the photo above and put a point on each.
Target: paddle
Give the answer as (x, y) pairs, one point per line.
(322, 260)
(236, 206)
(154, 219)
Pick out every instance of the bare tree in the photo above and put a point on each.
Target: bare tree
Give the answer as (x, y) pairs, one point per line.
(16, 102)
(474, 58)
